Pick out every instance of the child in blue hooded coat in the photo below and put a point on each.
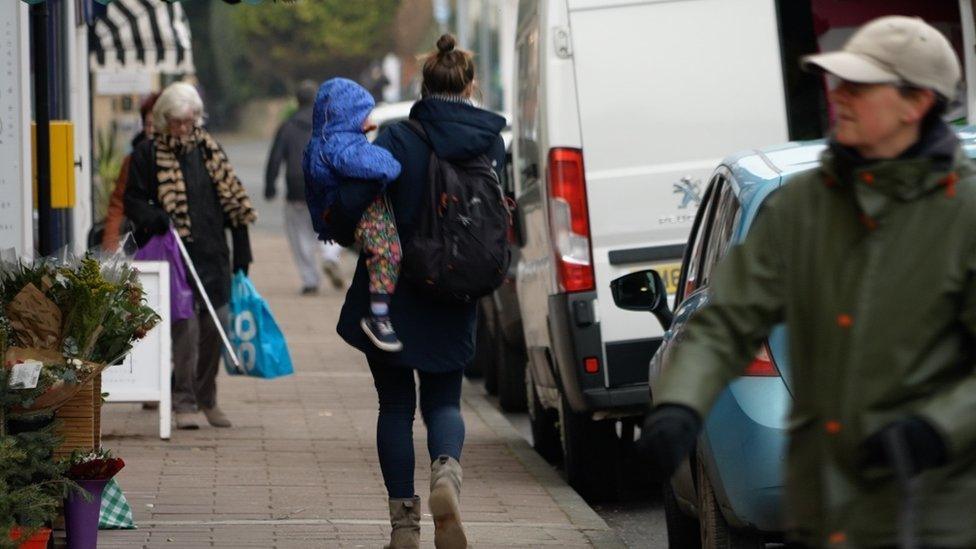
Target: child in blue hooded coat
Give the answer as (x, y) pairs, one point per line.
(339, 152)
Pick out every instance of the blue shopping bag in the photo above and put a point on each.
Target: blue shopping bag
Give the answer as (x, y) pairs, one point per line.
(254, 334)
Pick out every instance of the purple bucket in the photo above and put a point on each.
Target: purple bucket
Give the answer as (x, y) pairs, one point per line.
(81, 517)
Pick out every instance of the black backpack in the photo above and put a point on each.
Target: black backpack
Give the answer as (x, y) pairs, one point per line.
(459, 251)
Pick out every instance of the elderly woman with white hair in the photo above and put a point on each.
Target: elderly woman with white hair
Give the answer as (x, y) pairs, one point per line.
(181, 178)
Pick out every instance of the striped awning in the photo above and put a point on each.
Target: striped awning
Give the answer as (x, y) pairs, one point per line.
(142, 34)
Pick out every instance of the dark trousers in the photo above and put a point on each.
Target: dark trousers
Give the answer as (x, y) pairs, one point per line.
(196, 360)
(440, 406)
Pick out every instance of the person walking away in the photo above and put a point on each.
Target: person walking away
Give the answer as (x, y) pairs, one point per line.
(289, 144)
(879, 349)
(115, 216)
(438, 338)
(182, 178)
(340, 153)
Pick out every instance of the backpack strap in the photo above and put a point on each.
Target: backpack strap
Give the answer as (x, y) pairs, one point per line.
(418, 129)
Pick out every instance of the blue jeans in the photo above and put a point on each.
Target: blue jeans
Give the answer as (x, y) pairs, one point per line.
(440, 406)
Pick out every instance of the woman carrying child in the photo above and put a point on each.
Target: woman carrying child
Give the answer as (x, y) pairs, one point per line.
(437, 338)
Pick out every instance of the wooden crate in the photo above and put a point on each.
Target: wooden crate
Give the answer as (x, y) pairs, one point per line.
(79, 420)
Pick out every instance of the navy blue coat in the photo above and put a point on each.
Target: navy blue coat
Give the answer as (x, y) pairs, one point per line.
(436, 337)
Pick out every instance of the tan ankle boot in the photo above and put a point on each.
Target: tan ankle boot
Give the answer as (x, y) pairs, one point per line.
(405, 520)
(445, 494)
(216, 417)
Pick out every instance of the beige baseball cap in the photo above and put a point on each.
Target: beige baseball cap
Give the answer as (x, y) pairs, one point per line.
(895, 50)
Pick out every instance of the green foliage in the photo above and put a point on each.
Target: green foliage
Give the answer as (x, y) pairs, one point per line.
(314, 39)
(108, 163)
(103, 305)
(32, 485)
(231, 79)
(128, 318)
(245, 51)
(91, 300)
(5, 332)
(14, 276)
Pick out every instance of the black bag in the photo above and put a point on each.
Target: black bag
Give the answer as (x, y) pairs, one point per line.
(459, 251)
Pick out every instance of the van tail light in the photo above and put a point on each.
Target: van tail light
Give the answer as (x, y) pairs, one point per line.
(569, 219)
(763, 365)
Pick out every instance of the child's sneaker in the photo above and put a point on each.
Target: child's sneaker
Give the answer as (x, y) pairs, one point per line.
(380, 332)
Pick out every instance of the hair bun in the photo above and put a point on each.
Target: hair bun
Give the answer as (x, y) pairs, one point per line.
(446, 43)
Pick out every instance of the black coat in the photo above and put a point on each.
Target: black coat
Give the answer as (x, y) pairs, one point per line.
(208, 245)
(288, 147)
(436, 337)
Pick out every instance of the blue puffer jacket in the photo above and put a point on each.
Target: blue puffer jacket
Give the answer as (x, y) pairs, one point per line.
(339, 153)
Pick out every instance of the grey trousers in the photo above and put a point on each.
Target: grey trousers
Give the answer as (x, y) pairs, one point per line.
(306, 248)
(196, 360)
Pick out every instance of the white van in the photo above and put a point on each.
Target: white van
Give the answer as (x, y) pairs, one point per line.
(623, 108)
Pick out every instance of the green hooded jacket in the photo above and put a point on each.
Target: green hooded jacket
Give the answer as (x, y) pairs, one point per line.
(873, 269)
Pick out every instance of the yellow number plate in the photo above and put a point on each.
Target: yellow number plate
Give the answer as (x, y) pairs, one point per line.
(670, 272)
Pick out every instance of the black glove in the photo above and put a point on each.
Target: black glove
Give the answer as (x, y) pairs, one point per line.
(269, 193)
(159, 224)
(667, 438)
(241, 259)
(924, 445)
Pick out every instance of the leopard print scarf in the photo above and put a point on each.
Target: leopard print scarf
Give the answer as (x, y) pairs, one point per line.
(172, 187)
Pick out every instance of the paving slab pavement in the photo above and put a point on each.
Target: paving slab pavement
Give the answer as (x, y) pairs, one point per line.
(299, 468)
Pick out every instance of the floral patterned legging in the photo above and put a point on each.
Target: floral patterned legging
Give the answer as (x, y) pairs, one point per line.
(377, 237)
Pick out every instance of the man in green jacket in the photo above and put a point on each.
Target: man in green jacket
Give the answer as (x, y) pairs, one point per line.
(871, 262)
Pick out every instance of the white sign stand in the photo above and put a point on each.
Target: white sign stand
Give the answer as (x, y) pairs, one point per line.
(144, 374)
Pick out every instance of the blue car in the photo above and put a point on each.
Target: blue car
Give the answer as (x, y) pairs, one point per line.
(728, 494)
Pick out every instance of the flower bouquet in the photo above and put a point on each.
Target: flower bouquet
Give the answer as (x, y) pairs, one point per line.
(62, 323)
(97, 465)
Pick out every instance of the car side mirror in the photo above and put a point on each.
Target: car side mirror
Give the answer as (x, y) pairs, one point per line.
(643, 291)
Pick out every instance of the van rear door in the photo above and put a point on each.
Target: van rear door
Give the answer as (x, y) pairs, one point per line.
(665, 89)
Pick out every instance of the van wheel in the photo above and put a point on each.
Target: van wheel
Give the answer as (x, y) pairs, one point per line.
(510, 365)
(715, 531)
(545, 436)
(591, 454)
(683, 531)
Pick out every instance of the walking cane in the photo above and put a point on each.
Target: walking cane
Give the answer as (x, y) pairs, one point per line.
(206, 300)
(901, 460)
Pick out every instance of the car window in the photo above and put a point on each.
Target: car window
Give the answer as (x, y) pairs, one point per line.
(726, 218)
(696, 251)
